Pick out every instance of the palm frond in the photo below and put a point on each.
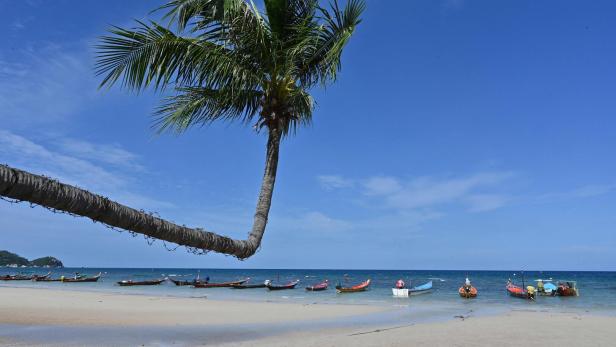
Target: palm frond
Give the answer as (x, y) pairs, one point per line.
(152, 54)
(320, 53)
(198, 105)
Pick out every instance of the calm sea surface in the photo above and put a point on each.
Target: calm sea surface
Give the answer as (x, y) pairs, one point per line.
(597, 289)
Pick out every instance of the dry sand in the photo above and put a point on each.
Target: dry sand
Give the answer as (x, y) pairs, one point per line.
(63, 307)
(64, 310)
(512, 329)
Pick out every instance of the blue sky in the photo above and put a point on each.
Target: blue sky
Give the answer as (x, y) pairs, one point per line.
(461, 135)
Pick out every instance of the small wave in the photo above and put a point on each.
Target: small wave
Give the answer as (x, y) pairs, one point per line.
(436, 279)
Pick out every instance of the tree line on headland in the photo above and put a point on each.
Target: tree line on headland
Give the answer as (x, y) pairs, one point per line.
(13, 260)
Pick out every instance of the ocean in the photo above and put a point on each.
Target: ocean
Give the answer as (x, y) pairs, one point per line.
(597, 289)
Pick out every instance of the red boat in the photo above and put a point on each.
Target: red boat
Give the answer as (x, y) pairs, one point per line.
(358, 288)
(318, 287)
(290, 285)
(567, 288)
(220, 285)
(520, 292)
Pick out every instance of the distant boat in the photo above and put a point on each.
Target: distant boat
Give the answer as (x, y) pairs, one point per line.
(422, 289)
(546, 287)
(318, 287)
(248, 286)
(468, 292)
(220, 285)
(187, 282)
(290, 285)
(20, 277)
(567, 288)
(519, 292)
(80, 279)
(354, 289)
(127, 283)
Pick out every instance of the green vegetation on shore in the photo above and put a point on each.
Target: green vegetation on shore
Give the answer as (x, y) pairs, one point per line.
(13, 260)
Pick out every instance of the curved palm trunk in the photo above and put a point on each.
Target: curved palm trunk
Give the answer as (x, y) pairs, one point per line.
(24, 186)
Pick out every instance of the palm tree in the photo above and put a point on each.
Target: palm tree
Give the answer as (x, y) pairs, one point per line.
(218, 60)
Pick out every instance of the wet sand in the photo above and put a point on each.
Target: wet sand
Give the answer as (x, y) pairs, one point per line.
(47, 317)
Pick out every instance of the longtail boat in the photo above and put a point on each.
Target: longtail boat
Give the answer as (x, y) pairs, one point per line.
(80, 279)
(546, 287)
(50, 279)
(422, 289)
(318, 287)
(567, 288)
(20, 277)
(519, 292)
(467, 292)
(249, 286)
(187, 282)
(220, 285)
(127, 283)
(358, 288)
(290, 285)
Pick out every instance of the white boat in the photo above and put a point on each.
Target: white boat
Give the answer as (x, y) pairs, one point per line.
(400, 293)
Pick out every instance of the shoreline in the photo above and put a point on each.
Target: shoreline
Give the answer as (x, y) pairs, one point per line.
(42, 316)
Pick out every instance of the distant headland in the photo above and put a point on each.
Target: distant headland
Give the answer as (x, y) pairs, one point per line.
(8, 259)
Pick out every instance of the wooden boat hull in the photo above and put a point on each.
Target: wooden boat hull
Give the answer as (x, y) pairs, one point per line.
(282, 287)
(81, 280)
(186, 283)
(139, 283)
(355, 289)
(519, 292)
(467, 294)
(220, 285)
(567, 292)
(248, 286)
(422, 289)
(318, 287)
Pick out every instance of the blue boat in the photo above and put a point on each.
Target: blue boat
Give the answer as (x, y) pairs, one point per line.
(422, 289)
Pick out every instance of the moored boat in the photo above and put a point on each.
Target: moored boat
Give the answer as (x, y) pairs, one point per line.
(567, 288)
(546, 287)
(400, 291)
(354, 289)
(221, 284)
(20, 277)
(248, 286)
(187, 282)
(290, 285)
(126, 283)
(468, 292)
(422, 289)
(318, 287)
(80, 279)
(519, 292)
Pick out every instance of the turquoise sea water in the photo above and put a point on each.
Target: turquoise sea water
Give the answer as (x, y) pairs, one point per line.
(598, 289)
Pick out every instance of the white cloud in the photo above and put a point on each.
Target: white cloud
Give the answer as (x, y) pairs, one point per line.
(381, 185)
(44, 86)
(23, 153)
(331, 182)
(586, 191)
(108, 153)
(486, 202)
(428, 191)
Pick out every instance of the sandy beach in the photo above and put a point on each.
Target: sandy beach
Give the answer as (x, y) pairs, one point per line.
(62, 317)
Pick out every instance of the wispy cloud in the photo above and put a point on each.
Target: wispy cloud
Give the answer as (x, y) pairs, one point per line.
(585, 191)
(112, 154)
(29, 155)
(330, 182)
(473, 191)
(43, 85)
